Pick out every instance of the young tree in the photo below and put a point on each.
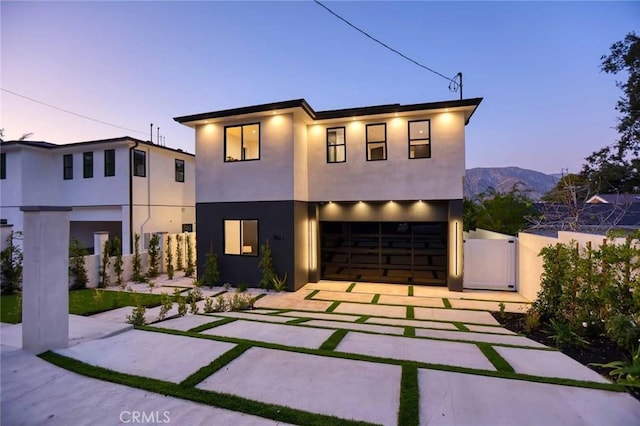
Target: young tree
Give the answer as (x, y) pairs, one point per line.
(104, 265)
(266, 263)
(11, 265)
(169, 258)
(211, 275)
(179, 262)
(507, 213)
(154, 253)
(188, 272)
(77, 267)
(616, 168)
(138, 274)
(116, 247)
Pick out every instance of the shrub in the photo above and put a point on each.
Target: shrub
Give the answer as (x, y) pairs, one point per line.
(136, 317)
(211, 275)
(182, 307)
(154, 253)
(280, 284)
(11, 265)
(193, 307)
(116, 247)
(169, 258)
(138, 274)
(627, 372)
(166, 303)
(77, 266)
(266, 263)
(531, 321)
(221, 304)
(190, 269)
(208, 305)
(623, 330)
(564, 336)
(242, 287)
(179, 262)
(104, 265)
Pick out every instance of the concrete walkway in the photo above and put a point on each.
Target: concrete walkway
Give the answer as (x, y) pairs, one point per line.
(285, 364)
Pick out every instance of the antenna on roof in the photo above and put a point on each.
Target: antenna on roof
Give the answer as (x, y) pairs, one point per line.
(151, 133)
(158, 140)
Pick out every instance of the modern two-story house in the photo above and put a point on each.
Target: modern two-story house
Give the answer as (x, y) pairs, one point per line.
(123, 186)
(362, 194)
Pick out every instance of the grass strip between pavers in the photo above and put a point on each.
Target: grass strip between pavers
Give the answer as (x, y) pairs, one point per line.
(351, 286)
(333, 307)
(409, 411)
(392, 361)
(409, 331)
(375, 299)
(298, 320)
(279, 311)
(213, 324)
(275, 412)
(215, 365)
(310, 295)
(446, 303)
(460, 326)
(410, 291)
(334, 340)
(496, 359)
(363, 318)
(410, 313)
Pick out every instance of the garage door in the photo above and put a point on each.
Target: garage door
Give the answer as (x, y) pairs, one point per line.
(391, 252)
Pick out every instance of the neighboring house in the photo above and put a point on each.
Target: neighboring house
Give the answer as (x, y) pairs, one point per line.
(361, 194)
(121, 185)
(617, 199)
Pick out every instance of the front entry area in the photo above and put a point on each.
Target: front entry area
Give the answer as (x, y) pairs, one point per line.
(390, 252)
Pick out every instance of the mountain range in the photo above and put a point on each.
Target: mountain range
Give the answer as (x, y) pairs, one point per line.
(503, 179)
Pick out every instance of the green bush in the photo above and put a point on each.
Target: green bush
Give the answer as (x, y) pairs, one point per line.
(154, 256)
(77, 267)
(268, 268)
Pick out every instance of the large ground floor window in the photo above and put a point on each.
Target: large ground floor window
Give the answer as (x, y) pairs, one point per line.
(241, 237)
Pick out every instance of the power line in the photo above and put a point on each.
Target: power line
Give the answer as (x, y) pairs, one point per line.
(453, 85)
(71, 112)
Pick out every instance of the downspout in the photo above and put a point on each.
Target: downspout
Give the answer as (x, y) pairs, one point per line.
(148, 195)
(131, 196)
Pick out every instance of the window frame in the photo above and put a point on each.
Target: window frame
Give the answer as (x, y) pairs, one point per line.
(242, 126)
(366, 135)
(240, 221)
(67, 166)
(179, 174)
(409, 140)
(135, 169)
(87, 165)
(3, 165)
(343, 144)
(109, 166)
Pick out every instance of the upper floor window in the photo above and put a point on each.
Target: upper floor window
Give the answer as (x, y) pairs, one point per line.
(67, 166)
(336, 145)
(242, 143)
(3, 165)
(376, 142)
(420, 139)
(139, 163)
(179, 170)
(87, 164)
(241, 237)
(109, 162)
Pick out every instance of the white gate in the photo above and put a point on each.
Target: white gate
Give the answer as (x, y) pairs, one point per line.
(490, 261)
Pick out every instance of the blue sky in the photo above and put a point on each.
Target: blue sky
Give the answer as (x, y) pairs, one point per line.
(546, 104)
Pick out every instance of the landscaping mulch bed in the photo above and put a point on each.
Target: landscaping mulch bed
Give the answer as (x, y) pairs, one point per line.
(600, 350)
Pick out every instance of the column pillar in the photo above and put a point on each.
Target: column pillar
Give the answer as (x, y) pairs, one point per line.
(45, 283)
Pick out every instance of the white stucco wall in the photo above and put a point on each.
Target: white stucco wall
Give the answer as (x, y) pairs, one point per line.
(269, 178)
(397, 177)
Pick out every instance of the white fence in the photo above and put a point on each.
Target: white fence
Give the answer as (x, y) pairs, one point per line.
(490, 261)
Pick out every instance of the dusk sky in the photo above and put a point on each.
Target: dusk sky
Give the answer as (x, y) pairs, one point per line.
(546, 104)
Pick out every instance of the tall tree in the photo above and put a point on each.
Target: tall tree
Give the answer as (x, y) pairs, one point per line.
(616, 168)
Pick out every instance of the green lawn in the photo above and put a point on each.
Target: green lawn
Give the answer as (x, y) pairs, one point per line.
(83, 302)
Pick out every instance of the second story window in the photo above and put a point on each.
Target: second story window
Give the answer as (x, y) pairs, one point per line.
(376, 142)
(336, 145)
(3, 166)
(420, 139)
(179, 170)
(242, 143)
(67, 166)
(139, 163)
(109, 162)
(87, 165)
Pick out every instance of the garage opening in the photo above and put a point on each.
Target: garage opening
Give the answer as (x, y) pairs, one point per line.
(390, 252)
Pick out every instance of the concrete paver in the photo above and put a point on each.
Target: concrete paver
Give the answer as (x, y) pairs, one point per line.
(375, 310)
(35, 392)
(412, 323)
(547, 364)
(384, 329)
(117, 315)
(149, 354)
(479, 337)
(397, 289)
(186, 322)
(291, 301)
(250, 316)
(319, 315)
(346, 297)
(422, 350)
(488, 329)
(431, 302)
(462, 399)
(266, 375)
(273, 333)
(489, 305)
(328, 285)
(477, 317)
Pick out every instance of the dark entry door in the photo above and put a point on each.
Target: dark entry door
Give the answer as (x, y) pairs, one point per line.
(393, 252)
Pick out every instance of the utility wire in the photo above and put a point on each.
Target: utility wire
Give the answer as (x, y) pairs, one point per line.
(453, 85)
(71, 112)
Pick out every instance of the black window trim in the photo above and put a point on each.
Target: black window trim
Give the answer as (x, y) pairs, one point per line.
(224, 237)
(3, 165)
(109, 171)
(242, 141)
(366, 135)
(135, 169)
(87, 165)
(67, 167)
(428, 139)
(344, 129)
(176, 177)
